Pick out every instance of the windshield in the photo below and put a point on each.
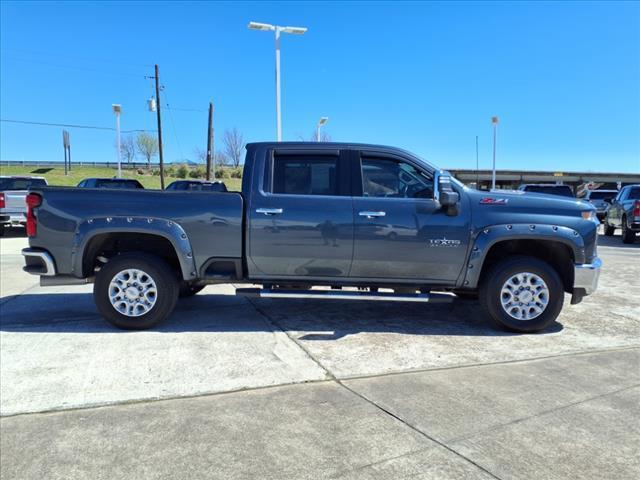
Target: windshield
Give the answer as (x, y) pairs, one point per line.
(561, 190)
(601, 195)
(21, 183)
(117, 184)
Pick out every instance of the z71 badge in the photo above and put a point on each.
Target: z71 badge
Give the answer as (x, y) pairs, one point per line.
(443, 242)
(494, 201)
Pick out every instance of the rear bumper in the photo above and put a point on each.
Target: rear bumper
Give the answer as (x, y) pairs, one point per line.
(585, 279)
(38, 262)
(13, 218)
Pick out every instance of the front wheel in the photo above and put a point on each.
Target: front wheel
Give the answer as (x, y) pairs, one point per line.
(522, 294)
(135, 291)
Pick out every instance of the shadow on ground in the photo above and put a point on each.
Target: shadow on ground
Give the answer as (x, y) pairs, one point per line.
(14, 232)
(616, 241)
(323, 320)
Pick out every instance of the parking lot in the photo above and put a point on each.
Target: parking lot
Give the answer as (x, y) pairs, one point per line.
(237, 388)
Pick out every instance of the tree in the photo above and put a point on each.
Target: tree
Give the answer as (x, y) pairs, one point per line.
(147, 146)
(324, 137)
(233, 145)
(128, 149)
(220, 158)
(200, 154)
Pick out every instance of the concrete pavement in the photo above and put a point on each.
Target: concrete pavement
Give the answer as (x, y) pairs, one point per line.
(295, 389)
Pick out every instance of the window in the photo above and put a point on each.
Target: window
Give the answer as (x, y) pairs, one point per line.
(305, 174)
(390, 178)
(21, 183)
(634, 193)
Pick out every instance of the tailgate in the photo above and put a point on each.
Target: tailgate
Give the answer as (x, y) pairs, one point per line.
(15, 201)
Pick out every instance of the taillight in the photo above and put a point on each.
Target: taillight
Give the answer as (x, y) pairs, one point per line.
(33, 200)
(636, 209)
(2, 204)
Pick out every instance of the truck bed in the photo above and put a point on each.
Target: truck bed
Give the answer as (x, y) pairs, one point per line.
(211, 221)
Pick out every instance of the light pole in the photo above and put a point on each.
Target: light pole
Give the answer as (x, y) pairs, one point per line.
(321, 122)
(494, 121)
(117, 109)
(277, 30)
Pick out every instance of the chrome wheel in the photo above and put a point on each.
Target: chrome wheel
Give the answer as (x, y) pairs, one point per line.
(524, 296)
(132, 292)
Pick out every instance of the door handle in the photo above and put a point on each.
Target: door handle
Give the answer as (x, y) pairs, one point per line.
(372, 214)
(269, 211)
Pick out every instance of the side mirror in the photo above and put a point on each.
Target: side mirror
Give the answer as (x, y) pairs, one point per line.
(445, 194)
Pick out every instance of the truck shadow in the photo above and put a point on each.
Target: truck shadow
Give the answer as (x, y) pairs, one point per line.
(314, 320)
(616, 241)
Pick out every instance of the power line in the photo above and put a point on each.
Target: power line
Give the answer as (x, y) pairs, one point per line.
(175, 132)
(90, 127)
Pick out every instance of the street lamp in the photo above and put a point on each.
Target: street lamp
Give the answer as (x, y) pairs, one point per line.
(321, 122)
(117, 109)
(494, 121)
(277, 30)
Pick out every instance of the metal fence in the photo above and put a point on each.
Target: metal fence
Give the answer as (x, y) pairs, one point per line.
(28, 163)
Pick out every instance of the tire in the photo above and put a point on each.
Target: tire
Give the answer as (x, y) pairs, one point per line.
(609, 230)
(187, 290)
(491, 294)
(628, 235)
(159, 304)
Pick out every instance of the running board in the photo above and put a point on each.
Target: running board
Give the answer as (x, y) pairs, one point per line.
(345, 295)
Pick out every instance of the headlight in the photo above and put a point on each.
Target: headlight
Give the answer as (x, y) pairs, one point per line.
(590, 215)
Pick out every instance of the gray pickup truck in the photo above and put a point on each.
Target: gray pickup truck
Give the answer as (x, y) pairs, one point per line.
(371, 222)
(13, 193)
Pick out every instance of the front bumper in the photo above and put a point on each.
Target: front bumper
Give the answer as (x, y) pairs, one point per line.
(585, 279)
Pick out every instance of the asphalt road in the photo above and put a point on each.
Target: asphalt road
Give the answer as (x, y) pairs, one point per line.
(231, 388)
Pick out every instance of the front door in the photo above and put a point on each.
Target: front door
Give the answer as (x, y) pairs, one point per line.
(301, 220)
(401, 232)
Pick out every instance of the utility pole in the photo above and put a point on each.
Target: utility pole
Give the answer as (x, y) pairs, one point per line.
(65, 136)
(157, 77)
(210, 144)
(477, 167)
(494, 121)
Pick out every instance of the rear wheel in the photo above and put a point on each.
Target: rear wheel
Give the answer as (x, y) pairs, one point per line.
(609, 230)
(135, 291)
(628, 235)
(522, 294)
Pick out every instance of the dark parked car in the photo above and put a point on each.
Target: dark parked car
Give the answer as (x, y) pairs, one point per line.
(624, 213)
(197, 185)
(598, 198)
(320, 214)
(548, 188)
(121, 183)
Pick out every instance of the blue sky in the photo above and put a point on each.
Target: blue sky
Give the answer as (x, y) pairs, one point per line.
(563, 77)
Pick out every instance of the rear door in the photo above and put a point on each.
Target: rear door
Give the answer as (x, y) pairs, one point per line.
(401, 232)
(300, 217)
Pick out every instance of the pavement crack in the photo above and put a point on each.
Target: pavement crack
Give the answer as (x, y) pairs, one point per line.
(539, 414)
(417, 430)
(273, 323)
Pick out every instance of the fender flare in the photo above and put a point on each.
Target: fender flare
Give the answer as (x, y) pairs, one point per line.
(162, 227)
(487, 237)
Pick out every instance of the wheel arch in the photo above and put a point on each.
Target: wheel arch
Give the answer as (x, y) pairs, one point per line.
(114, 235)
(560, 247)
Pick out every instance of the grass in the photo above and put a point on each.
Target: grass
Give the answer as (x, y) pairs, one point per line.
(56, 176)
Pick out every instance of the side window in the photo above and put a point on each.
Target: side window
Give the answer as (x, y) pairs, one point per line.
(305, 174)
(390, 178)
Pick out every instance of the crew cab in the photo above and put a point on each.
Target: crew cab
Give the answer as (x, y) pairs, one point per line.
(370, 222)
(13, 192)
